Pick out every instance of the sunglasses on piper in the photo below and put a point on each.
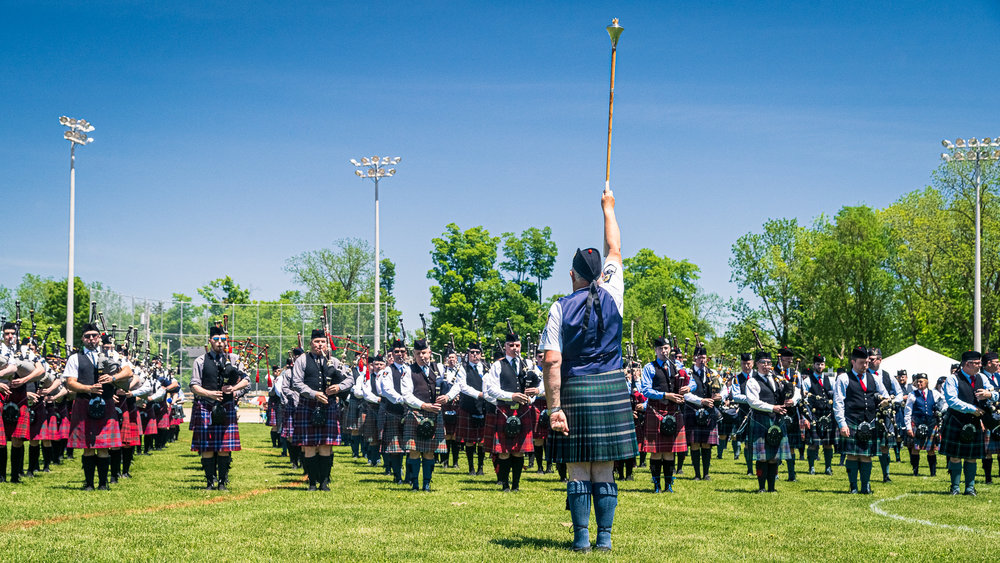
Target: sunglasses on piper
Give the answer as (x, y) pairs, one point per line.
(219, 338)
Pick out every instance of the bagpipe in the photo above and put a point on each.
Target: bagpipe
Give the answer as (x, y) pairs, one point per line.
(525, 380)
(444, 386)
(427, 425)
(668, 421)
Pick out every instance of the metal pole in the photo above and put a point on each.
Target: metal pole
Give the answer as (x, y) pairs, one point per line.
(72, 231)
(378, 288)
(977, 328)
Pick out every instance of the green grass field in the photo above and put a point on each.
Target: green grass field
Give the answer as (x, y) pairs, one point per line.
(163, 513)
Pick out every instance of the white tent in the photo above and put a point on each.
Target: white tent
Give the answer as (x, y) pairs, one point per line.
(917, 359)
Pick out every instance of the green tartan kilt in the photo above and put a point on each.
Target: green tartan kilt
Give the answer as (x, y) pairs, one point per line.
(951, 439)
(850, 446)
(599, 414)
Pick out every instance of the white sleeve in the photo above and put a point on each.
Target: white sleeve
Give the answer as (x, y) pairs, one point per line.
(613, 280)
(552, 335)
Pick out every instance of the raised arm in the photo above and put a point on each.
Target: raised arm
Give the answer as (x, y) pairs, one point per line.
(612, 235)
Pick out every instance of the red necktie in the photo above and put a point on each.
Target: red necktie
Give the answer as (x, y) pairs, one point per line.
(861, 379)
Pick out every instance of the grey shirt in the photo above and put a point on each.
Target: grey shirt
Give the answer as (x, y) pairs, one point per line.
(299, 386)
(199, 364)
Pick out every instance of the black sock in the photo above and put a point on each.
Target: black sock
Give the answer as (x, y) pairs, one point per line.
(772, 475)
(455, 447)
(932, 463)
(127, 454)
(147, 443)
(540, 455)
(89, 463)
(988, 467)
(517, 466)
(761, 475)
(3, 463)
(47, 457)
(696, 463)
(116, 463)
(680, 460)
(668, 469)
(33, 452)
(103, 463)
(706, 461)
(561, 468)
(654, 469)
(223, 462)
(470, 455)
(629, 467)
(504, 472)
(642, 458)
(16, 463)
(482, 456)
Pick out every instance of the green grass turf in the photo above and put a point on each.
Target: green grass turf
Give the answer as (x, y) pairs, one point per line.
(163, 513)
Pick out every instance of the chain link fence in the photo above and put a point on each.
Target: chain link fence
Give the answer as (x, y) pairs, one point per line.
(179, 329)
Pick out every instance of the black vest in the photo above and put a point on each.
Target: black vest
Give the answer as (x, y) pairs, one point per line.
(423, 386)
(741, 380)
(373, 382)
(887, 383)
(860, 405)
(211, 376)
(966, 393)
(510, 380)
(665, 380)
(396, 379)
(702, 384)
(312, 374)
(474, 380)
(766, 394)
(86, 373)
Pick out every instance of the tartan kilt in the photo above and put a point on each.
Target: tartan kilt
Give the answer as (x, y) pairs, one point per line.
(163, 421)
(369, 424)
(273, 409)
(308, 434)
(890, 434)
(288, 422)
(927, 443)
(816, 438)
(41, 412)
(524, 441)
(653, 441)
(700, 434)
(640, 431)
(89, 433)
(352, 414)
(451, 422)
(951, 442)
(726, 426)
(19, 428)
(149, 426)
(64, 409)
(849, 446)
(465, 431)
(598, 410)
(207, 437)
(759, 423)
(390, 427)
(541, 430)
(411, 442)
(131, 431)
(992, 443)
(489, 427)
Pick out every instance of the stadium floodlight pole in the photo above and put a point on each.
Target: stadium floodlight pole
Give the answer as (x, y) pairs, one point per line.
(374, 168)
(975, 150)
(76, 135)
(614, 31)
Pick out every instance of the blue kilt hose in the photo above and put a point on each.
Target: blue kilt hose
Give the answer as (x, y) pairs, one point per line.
(391, 430)
(762, 451)
(598, 411)
(468, 430)
(369, 424)
(697, 434)
(352, 414)
(850, 446)
(308, 434)
(524, 440)
(412, 442)
(951, 439)
(90, 433)
(207, 437)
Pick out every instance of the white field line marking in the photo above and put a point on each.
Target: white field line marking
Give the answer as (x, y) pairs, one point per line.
(878, 510)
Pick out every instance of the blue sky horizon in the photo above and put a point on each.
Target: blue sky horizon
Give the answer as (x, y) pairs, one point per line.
(223, 125)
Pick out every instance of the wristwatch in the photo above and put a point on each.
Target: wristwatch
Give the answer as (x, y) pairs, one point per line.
(553, 410)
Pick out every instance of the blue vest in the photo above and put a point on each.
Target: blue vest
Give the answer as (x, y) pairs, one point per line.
(588, 351)
(923, 411)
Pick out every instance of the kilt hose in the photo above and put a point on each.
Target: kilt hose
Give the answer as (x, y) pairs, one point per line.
(391, 430)
(470, 429)
(656, 442)
(951, 439)
(697, 434)
(308, 434)
(759, 423)
(369, 424)
(523, 441)
(207, 437)
(91, 433)
(850, 445)
(412, 442)
(599, 414)
(352, 415)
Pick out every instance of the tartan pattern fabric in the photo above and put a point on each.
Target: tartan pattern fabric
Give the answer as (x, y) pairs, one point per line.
(149, 426)
(308, 434)
(726, 427)
(391, 430)
(927, 443)
(369, 423)
(273, 411)
(759, 423)
(131, 433)
(816, 438)
(541, 430)
(524, 441)
(352, 415)
(465, 431)
(992, 443)
(450, 423)
(951, 442)
(700, 434)
(18, 429)
(207, 437)
(850, 446)
(288, 422)
(599, 413)
(411, 442)
(64, 410)
(653, 440)
(163, 421)
(41, 416)
(489, 427)
(88, 433)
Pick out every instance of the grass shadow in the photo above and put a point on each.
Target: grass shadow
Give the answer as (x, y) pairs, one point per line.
(519, 542)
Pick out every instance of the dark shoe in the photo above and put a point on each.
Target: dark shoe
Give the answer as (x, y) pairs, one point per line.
(886, 479)
(222, 487)
(91, 488)
(812, 471)
(582, 549)
(706, 478)
(506, 489)
(853, 492)
(630, 478)
(480, 472)
(113, 480)
(103, 488)
(211, 485)
(679, 472)
(472, 474)
(697, 478)
(970, 491)
(955, 491)
(127, 475)
(324, 486)
(760, 491)
(602, 548)
(792, 480)
(829, 471)
(518, 489)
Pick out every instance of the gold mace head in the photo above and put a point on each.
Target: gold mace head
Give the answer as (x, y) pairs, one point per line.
(615, 31)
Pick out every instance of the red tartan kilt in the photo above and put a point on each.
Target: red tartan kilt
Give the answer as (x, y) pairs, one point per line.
(465, 431)
(489, 428)
(149, 425)
(658, 443)
(369, 422)
(64, 408)
(308, 434)
(163, 421)
(272, 412)
(541, 431)
(523, 442)
(35, 428)
(50, 425)
(18, 429)
(450, 423)
(209, 437)
(131, 430)
(90, 433)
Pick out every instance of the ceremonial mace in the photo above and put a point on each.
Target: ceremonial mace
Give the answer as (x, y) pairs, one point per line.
(614, 31)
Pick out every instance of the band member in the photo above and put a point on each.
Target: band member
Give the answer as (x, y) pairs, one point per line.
(273, 418)
(818, 390)
(739, 397)
(898, 400)
(317, 417)
(795, 427)
(664, 387)
(291, 402)
(215, 377)
(472, 408)
(991, 371)
(423, 424)
(962, 437)
(541, 431)
(392, 409)
(352, 418)
(920, 416)
(857, 396)
(513, 388)
(771, 398)
(20, 372)
(701, 419)
(369, 414)
(589, 407)
(449, 384)
(93, 425)
(728, 413)
(633, 376)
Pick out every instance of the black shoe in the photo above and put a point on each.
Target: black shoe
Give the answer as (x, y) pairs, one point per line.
(211, 485)
(749, 472)
(127, 475)
(480, 472)
(505, 490)
(697, 478)
(103, 488)
(853, 492)
(812, 471)
(222, 487)
(679, 472)
(630, 478)
(113, 480)
(760, 491)
(472, 474)
(955, 491)
(324, 486)
(829, 471)
(705, 478)
(91, 488)
(792, 480)
(886, 479)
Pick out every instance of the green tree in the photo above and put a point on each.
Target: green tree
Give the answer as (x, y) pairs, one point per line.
(530, 255)
(343, 273)
(224, 290)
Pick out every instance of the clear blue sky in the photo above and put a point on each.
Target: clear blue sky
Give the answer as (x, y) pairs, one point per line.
(223, 125)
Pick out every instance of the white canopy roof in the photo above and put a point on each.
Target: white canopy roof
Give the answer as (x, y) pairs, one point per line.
(917, 359)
